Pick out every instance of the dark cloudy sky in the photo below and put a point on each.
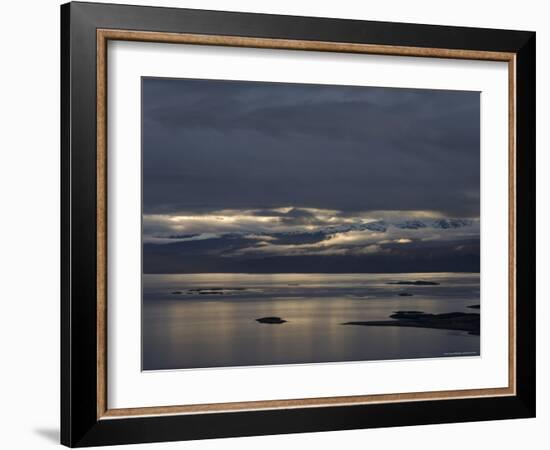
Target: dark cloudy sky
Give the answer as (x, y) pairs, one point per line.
(243, 176)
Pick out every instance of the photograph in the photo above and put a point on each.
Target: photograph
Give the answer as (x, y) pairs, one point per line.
(287, 223)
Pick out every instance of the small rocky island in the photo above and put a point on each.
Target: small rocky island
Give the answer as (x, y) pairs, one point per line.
(210, 291)
(405, 294)
(272, 320)
(447, 321)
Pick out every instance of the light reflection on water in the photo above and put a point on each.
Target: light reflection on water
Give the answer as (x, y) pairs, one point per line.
(192, 330)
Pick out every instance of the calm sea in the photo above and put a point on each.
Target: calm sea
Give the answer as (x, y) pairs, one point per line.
(209, 320)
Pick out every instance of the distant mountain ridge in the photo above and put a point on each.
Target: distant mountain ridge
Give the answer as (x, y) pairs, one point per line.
(380, 226)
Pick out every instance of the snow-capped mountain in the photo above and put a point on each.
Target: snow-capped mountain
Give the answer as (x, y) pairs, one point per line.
(379, 226)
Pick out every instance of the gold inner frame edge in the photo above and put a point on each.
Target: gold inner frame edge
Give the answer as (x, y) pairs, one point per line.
(103, 36)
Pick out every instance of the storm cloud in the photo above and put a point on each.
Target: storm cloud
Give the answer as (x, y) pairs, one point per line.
(243, 176)
(210, 145)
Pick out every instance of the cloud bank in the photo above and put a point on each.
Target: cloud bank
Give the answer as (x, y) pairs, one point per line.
(245, 176)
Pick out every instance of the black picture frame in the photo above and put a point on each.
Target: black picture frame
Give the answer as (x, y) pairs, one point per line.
(80, 425)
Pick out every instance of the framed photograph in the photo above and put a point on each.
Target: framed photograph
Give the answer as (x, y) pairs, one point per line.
(276, 224)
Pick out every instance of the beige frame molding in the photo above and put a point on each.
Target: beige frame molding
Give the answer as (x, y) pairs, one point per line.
(103, 36)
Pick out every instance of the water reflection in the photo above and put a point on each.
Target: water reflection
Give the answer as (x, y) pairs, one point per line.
(209, 320)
